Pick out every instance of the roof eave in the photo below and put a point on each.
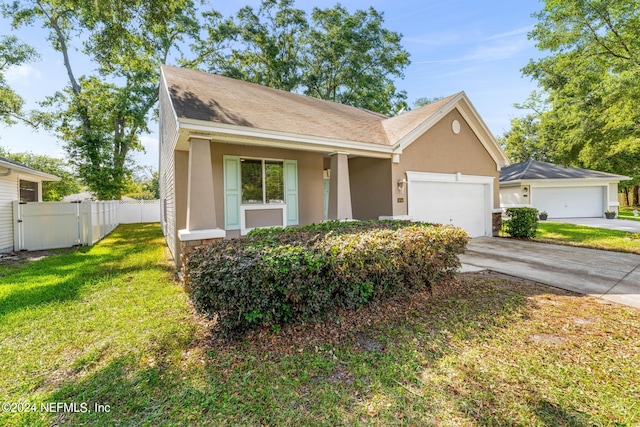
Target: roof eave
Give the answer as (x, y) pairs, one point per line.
(276, 139)
(29, 172)
(616, 179)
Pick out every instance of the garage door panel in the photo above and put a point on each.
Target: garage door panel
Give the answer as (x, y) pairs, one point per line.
(460, 204)
(569, 202)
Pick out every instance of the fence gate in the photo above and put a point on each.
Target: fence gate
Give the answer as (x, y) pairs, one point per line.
(46, 225)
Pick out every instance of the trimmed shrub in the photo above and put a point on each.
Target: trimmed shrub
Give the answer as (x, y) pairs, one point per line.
(300, 274)
(522, 222)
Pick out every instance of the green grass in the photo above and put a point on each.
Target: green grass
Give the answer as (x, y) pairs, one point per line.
(627, 213)
(590, 237)
(107, 325)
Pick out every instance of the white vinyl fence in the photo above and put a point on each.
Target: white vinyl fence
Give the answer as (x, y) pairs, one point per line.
(51, 225)
(136, 211)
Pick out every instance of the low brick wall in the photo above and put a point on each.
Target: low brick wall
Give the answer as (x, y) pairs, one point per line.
(186, 249)
(496, 223)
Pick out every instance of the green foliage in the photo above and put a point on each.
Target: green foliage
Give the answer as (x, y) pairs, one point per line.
(590, 84)
(13, 53)
(101, 116)
(333, 55)
(352, 59)
(300, 274)
(522, 222)
(145, 187)
(52, 191)
(421, 102)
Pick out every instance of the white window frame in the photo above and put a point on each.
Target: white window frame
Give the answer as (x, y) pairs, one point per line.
(264, 182)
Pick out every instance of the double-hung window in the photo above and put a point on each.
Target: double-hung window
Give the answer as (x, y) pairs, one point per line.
(262, 181)
(257, 185)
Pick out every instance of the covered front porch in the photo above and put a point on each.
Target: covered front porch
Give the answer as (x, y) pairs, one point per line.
(225, 190)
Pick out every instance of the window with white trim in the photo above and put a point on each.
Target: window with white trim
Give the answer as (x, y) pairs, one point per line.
(28, 191)
(262, 181)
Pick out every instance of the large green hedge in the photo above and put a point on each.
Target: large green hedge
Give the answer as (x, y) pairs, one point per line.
(299, 274)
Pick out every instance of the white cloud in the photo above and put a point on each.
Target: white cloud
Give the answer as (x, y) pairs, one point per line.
(491, 48)
(149, 142)
(22, 73)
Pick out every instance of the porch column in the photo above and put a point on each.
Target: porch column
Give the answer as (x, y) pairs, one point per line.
(201, 206)
(339, 187)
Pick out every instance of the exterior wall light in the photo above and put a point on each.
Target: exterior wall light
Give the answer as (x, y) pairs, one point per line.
(402, 184)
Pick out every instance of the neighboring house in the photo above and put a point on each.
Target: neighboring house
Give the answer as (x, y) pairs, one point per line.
(17, 182)
(79, 197)
(562, 192)
(236, 155)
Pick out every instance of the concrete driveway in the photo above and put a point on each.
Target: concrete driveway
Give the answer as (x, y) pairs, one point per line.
(611, 224)
(612, 276)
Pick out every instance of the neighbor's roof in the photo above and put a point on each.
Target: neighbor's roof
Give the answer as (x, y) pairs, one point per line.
(12, 165)
(213, 98)
(532, 169)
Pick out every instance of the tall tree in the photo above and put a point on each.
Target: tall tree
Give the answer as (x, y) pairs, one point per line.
(13, 53)
(52, 191)
(101, 116)
(529, 137)
(591, 81)
(262, 46)
(338, 56)
(352, 59)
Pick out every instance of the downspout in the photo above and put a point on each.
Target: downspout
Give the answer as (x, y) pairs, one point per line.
(7, 173)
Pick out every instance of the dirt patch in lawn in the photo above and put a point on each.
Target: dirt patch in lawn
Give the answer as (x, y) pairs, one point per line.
(16, 259)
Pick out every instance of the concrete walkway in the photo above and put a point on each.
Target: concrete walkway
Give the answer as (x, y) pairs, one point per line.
(611, 224)
(612, 276)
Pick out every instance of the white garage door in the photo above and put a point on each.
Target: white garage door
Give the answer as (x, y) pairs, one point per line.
(569, 202)
(454, 201)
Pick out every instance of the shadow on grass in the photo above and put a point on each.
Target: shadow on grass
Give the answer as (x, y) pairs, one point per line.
(60, 278)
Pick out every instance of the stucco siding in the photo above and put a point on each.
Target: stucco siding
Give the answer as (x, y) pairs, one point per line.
(371, 187)
(440, 150)
(8, 193)
(310, 178)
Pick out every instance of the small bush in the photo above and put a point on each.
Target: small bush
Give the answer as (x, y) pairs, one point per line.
(522, 222)
(300, 274)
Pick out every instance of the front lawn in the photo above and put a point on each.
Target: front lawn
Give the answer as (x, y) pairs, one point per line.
(108, 326)
(627, 213)
(589, 237)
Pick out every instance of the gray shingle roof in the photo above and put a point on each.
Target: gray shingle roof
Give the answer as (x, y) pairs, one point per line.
(532, 169)
(209, 97)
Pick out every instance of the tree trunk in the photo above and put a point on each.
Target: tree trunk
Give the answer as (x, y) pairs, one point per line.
(636, 201)
(625, 190)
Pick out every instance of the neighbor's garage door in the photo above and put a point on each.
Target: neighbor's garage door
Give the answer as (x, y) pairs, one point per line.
(451, 199)
(569, 202)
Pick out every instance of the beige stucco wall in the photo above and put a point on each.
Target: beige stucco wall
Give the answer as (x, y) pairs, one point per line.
(439, 150)
(264, 218)
(371, 187)
(310, 178)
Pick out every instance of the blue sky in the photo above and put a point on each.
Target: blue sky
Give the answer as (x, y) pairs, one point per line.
(475, 46)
